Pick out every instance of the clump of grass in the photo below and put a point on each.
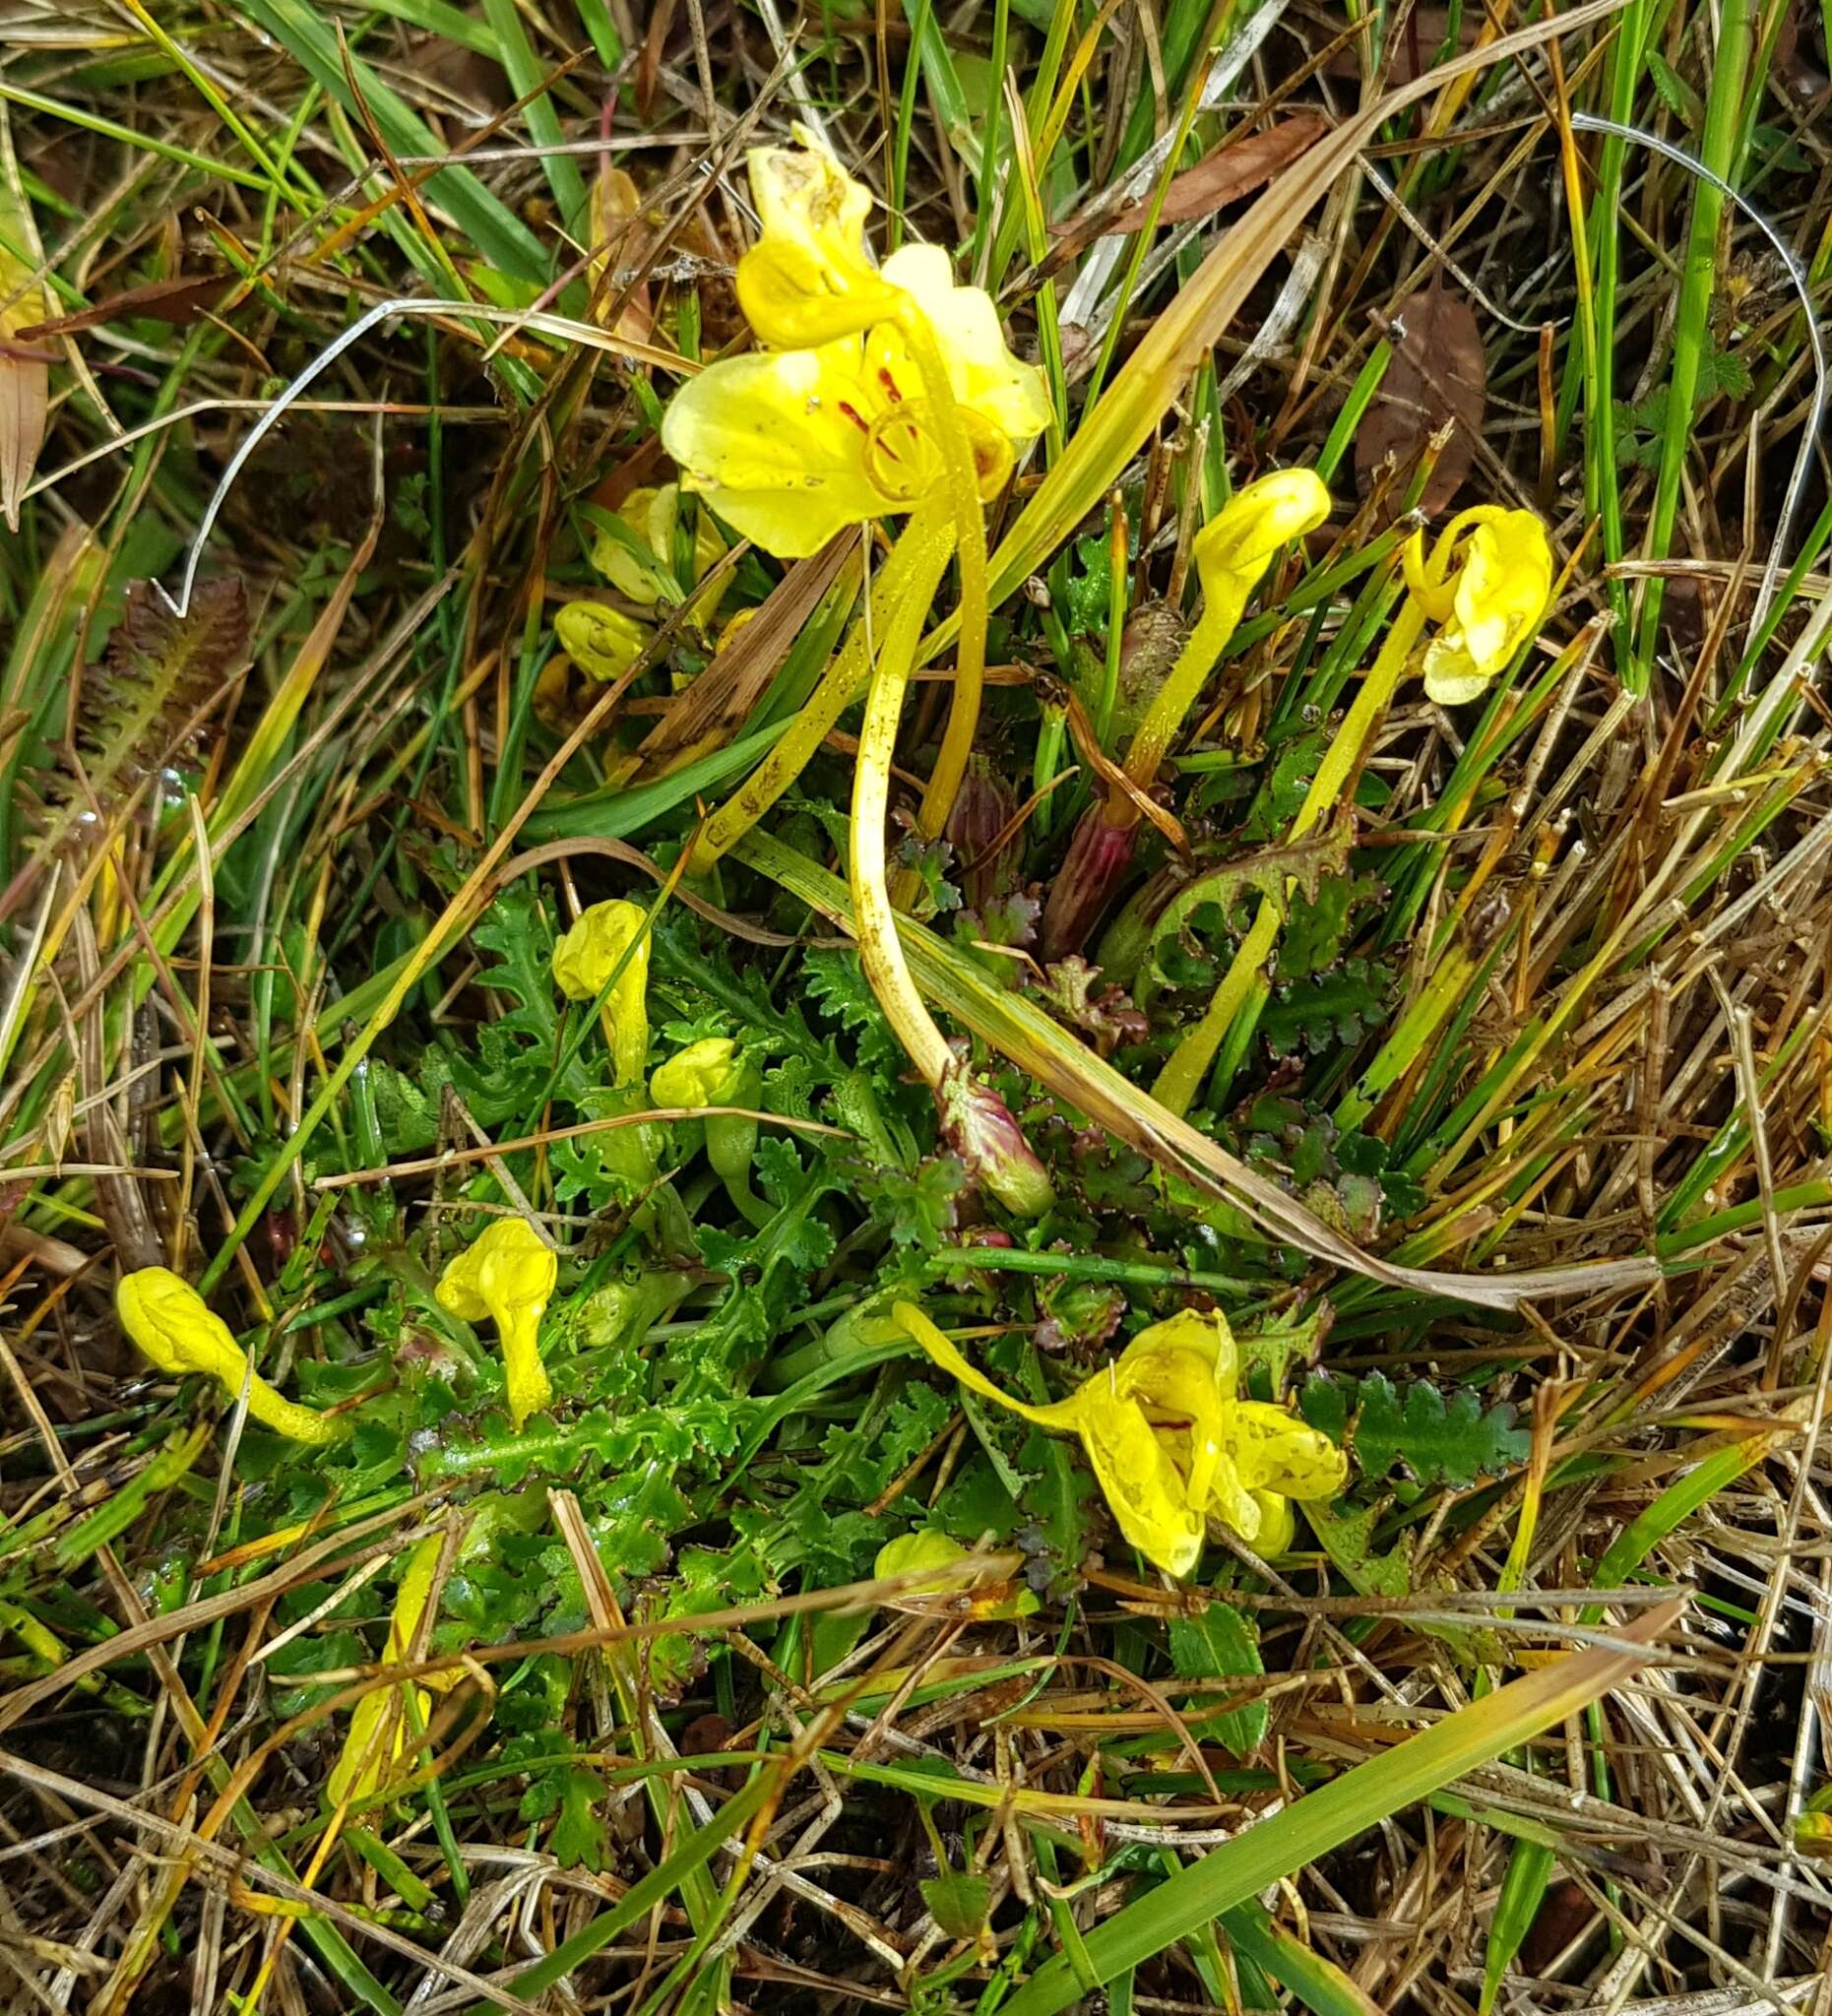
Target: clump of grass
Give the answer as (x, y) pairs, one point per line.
(1505, 1159)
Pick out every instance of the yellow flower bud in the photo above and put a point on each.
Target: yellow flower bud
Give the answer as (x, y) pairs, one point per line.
(584, 961)
(641, 568)
(175, 1328)
(706, 1073)
(507, 1275)
(924, 1549)
(1237, 546)
(602, 643)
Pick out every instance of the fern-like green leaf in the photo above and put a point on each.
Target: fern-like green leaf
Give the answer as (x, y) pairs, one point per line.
(1415, 1429)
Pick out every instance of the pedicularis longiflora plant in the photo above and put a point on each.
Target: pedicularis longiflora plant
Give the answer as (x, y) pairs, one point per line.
(879, 391)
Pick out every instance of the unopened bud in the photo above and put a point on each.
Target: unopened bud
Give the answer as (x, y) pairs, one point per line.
(978, 1127)
(1098, 858)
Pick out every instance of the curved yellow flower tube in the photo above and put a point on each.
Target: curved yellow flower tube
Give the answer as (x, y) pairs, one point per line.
(174, 1327)
(1232, 552)
(508, 1274)
(1173, 1447)
(584, 961)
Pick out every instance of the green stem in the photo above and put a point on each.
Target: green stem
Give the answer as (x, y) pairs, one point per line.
(1730, 79)
(1220, 615)
(1189, 1062)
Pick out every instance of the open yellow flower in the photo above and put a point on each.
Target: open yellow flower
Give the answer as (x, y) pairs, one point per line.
(584, 961)
(1172, 1446)
(827, 429)
(1488, 598)
(177, 1329)
(368, 1749)
(507, 1275)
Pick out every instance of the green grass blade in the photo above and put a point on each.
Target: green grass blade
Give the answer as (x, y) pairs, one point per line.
(499, 235)
(524, 71)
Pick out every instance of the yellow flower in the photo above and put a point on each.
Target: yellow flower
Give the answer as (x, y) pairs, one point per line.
(508, 1276)
(173, 1326)
(713, 1073)
(584, 961)
(359, 1771)
(827, 429)
(810, 277)
(602, 643)
(707, 1073)
(1490, 600)
(641, 566)
(1236, 548)
(1172, 1445)
(925, 1548)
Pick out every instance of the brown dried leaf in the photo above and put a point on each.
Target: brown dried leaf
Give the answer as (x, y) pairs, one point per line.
(720, 701)
(1230, 173)
(620, 240)
(1438, 376)
(177, 302)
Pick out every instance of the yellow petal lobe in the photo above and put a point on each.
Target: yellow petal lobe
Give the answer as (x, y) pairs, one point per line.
(507, 1275)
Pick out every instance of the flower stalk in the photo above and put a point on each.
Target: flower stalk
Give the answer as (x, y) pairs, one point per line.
(978, 1125)
(1231, 554)
(1485, 584)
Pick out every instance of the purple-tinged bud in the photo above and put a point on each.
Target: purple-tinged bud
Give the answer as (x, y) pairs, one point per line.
(1098, 858)
(980, 813)
(978, 1125)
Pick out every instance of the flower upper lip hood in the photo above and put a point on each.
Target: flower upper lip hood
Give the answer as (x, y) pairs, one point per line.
(508, 1274)
(1173, 1447)
(825, 428)
(1236, 548)
(180, 1333)
(706, 1073)
(1488, 600)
